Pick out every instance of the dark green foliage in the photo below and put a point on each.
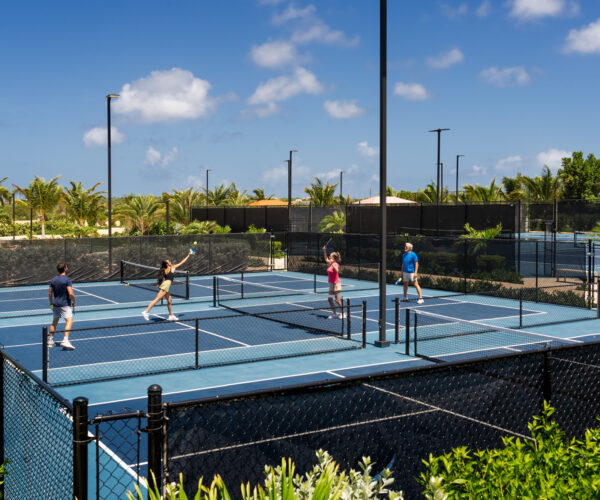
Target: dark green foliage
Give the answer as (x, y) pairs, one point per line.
(580, 178)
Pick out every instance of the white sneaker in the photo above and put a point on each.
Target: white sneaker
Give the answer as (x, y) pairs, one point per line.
(50, 342)
(65, 344)
(146, 315)
(172, 317)
(332, 316)
(341, 315)
(405, 299)
(420, 301)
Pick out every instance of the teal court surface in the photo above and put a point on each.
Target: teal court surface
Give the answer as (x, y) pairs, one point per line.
(238, 334)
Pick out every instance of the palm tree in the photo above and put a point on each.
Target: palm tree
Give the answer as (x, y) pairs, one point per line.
(219, 195)
(84, 205)
(321, 195)
(513, 187)
(181, 203)
(42, 197)
(544, 187)
(334, 223)
(236, 198)
(5, 194)
(484, 194)
(259, 194)
(429, 194)
(139, 212)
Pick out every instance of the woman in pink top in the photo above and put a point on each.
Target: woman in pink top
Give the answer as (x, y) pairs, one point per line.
(335, 285)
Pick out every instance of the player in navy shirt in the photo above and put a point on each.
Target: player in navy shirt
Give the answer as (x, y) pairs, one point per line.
(62, 302)
(410, 268)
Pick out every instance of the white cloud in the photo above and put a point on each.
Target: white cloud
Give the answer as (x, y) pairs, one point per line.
(454, 12)
(164, 96)
(318, 31)
(585, 40)
(509, 164)
(552, 158)
(155, 158)
(97, 136)
(411, 91)
(446, 59)
(292, 13)
(506, 77)
(484, 9)
(478, 170)
(265, 97)
(278, 175)
(343, 109)
(366, 150)
(533, 9)
(274, 54)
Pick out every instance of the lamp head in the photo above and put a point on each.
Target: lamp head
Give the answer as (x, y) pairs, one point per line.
(112, 96)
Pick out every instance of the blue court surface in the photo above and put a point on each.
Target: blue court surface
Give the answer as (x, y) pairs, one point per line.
(112, 340)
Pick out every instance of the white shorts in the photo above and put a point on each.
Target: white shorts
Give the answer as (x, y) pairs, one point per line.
(335, 288)
(65, 312)
(409, 277)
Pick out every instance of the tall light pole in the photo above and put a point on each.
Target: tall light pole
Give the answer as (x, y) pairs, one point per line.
(108, 99)
(442, 181)
(207, 171)
(439, 131)
(381, 341)
(341, 184)
(457, 157)
(290, 187)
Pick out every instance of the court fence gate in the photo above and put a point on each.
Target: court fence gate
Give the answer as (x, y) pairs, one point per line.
(396, 418)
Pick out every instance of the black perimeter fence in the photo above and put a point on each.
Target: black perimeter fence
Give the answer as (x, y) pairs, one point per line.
(397, 419)
(516, 217)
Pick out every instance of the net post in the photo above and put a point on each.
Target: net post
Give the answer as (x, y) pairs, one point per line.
(187, 285)
(122, 272)
(407, 339)
(520, 308)
(397, 320)
(537, 272)
(315, 282)
(197, 349)
(45, 354)
(80, 442)
(364, 324)
(155, 433)
(415, 335)
(214, 291)
(242, 286)
(348, 319)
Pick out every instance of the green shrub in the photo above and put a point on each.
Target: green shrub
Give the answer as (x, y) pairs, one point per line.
(253, 229)
(324, 481)
(548, 466)
(277, 251)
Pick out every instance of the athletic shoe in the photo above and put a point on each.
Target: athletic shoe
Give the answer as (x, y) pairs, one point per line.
(341, 315)
(405, 299)
(420, 301)
(50, 342)
(146, 315)
(172, 317)
(65, 344)
(332, 316)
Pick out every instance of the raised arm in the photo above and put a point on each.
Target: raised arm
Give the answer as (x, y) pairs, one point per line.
(182, 262)
(327, 259)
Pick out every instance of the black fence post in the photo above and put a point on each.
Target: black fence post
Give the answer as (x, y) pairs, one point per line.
(407, 328)
(519, 236)
(547, 376)
(197, 347)
(2, 419)
(415, 335)
(80, 442)
(364, 324)
(348, 317)
(590, 287)
(155, 434)
(537, 272)
(397, 320)
(45, 354)
(215, 291)
(520, 308)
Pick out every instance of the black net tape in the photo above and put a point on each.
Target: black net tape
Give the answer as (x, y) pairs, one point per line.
(397, 419)
(38, 433)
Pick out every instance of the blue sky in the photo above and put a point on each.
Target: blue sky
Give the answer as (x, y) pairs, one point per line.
(233, 86)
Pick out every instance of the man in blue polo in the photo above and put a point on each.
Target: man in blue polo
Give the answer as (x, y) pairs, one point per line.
(410, 268)
(62, 302)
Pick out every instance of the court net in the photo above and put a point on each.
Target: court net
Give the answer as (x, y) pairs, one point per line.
(160, 346)
(439, 337)
(146, 277)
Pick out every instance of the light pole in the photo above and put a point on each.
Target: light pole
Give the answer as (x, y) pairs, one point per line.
(439, 131)
(341, 184)
(442, 181)
(290, 186)
(207, 171)
(108, 99)
(457, 157)
(13, 215)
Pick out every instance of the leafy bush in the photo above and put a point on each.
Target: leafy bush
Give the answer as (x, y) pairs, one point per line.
(204, 227)
(548, 466)
(277, 251)
(253, 229)
(323, 482)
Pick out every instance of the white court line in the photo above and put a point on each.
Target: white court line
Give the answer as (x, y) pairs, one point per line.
(254, 381)
(94, 295)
